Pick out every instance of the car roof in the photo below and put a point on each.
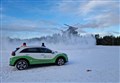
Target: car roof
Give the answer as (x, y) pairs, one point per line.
(32, 47)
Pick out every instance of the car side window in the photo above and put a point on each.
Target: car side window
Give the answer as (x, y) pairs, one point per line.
(30, 50)
(48, 51)
(45, 50)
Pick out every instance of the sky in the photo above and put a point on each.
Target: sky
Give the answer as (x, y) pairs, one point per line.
(36, 18)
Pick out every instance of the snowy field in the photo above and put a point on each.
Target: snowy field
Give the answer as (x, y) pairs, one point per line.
(102, 61)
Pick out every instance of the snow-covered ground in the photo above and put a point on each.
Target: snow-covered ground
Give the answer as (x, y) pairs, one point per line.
(102, 61)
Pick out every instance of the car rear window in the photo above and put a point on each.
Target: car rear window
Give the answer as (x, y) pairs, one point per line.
(16, 49)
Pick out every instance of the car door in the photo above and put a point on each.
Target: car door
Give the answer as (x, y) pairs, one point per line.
(47, 53)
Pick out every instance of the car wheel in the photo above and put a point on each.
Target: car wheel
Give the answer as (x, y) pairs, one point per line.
(21, 64)
(60, 61)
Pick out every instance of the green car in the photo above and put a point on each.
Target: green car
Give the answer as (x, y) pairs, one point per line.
(24, 56)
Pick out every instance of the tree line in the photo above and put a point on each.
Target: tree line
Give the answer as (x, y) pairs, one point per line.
(107, 40)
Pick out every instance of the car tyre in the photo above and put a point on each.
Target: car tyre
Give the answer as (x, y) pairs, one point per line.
(21, 64)
(60, 61)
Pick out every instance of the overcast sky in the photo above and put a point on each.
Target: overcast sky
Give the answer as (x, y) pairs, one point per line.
(35, 18)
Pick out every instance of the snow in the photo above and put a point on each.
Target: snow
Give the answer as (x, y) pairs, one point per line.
(102, 61)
